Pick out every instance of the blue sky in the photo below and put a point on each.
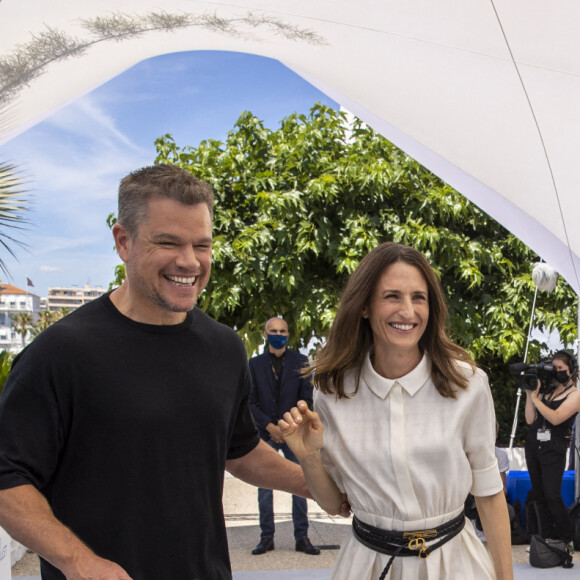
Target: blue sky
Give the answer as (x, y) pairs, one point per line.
(75, 159)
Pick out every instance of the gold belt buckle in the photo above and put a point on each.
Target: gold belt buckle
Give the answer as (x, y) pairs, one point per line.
(417, 541)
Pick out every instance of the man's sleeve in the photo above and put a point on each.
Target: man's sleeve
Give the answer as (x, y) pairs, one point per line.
(31, 426)
(245, 435)
(261, 418)
(503, 461)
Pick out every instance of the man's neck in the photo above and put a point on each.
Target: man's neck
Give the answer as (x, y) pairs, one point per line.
(140, 311)
(278, 352)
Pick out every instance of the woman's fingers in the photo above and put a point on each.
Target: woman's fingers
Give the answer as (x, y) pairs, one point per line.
(312, 416)
(296, 416)
(344, 510)
(292, 418)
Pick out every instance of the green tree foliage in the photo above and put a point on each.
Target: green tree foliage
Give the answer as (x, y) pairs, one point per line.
(119, 268)
(22, 324)
(5, 366)
(298, 207)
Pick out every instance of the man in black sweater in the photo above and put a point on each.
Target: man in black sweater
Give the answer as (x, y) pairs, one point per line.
(116, 424)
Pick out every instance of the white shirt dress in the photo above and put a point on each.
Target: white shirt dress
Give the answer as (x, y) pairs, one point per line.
(407, 457)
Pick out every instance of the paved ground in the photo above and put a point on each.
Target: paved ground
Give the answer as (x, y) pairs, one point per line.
(284, 563)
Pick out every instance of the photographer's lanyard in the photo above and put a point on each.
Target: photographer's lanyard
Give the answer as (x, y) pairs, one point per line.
(544, 434)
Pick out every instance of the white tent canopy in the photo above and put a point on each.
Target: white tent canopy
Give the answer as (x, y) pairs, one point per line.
(485, 93)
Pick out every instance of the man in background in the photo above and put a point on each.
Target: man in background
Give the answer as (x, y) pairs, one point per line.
(277, 385)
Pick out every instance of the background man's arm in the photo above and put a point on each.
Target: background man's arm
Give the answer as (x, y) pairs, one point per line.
(27, 517)
(264, 467)
(306, 389)
(260, 416)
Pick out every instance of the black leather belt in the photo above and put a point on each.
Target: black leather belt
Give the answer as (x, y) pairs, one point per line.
(405, 544)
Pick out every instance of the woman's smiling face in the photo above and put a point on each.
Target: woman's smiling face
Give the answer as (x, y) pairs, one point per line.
(398, 310)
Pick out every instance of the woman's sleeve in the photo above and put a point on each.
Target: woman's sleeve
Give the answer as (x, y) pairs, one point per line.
(479, 438)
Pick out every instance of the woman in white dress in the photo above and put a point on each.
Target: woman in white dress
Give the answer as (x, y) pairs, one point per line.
(403, 429)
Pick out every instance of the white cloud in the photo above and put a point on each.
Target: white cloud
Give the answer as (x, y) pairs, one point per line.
(59, 244)
(86, 118)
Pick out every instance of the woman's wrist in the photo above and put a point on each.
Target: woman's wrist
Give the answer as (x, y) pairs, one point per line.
(309, 457)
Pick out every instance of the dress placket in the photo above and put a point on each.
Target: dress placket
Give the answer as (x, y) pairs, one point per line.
(399, 456)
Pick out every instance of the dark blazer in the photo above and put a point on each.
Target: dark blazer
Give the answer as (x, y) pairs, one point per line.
(293, 388)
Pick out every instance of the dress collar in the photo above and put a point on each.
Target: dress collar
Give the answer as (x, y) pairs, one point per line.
(411, 382)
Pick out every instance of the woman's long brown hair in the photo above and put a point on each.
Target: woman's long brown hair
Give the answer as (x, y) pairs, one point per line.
(351, 338)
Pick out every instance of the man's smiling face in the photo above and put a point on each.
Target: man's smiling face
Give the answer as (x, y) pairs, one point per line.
(168, 263)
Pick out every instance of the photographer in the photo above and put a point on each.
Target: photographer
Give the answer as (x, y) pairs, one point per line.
(550, 412)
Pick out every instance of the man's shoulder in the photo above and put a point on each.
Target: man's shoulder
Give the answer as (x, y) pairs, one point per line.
(258, 358)
(74, 331)
(204, 321)
(295, 356)
(213, 331)
(93, 312)
(290, 356)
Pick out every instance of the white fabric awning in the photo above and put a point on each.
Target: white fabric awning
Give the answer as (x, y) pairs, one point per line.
(484, 93)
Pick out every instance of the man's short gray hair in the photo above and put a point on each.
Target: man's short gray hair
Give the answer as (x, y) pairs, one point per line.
(170, 181)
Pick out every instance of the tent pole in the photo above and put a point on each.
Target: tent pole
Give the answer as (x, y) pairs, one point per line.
(519, 396)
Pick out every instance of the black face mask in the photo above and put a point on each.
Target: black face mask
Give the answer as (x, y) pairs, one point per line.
(561, 377)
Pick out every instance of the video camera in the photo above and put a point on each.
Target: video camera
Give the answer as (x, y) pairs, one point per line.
(544, 372)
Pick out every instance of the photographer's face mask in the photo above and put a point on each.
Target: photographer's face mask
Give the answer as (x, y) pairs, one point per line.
(561, 377)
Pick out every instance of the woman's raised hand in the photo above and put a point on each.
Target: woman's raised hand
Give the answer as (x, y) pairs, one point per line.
(302, 430)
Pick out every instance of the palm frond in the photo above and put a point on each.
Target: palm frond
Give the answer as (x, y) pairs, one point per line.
(13, 207)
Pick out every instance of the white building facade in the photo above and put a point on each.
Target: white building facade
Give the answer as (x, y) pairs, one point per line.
(72, 297)
(15, 301)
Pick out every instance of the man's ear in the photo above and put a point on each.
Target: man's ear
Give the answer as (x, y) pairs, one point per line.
(123, 241)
